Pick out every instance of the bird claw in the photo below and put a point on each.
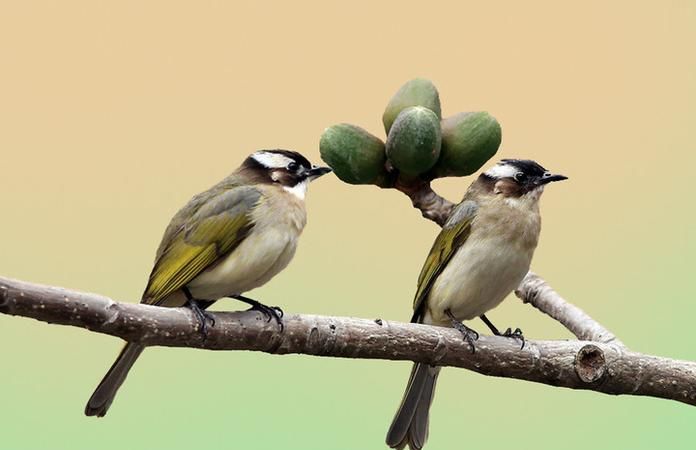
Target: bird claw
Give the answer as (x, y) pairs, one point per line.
(271, 312)
(203, 317)
(468, 334)
(278, 310)
(517, 334)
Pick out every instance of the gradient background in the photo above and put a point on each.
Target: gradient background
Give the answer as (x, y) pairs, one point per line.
(112, 114)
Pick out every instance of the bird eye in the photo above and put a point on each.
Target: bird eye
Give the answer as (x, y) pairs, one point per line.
(293, 166)
(520, 177)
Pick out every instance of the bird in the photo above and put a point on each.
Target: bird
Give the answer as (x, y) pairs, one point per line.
(229, 239)
(481, 255)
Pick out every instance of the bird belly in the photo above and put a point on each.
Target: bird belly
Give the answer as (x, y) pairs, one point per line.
(253, 263)
(477, 278)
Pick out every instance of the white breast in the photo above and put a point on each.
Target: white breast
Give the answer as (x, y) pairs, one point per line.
(252, 264)
(479, 276)
(266, 251)
(489, 266)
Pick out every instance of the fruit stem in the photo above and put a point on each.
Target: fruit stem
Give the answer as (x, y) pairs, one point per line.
(431, 205)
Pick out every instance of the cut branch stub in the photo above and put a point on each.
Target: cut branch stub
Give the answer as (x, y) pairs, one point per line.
(590, 363)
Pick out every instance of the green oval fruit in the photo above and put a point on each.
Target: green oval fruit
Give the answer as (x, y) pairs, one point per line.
(468, 141)
(418, 92)
(356, 156)
(413, 144)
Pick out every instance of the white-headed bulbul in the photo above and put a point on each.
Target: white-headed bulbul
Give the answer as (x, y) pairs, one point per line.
(481, 255)
(230, 239)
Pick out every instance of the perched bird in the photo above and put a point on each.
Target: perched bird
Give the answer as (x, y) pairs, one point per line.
(230, 239)
(480, 256)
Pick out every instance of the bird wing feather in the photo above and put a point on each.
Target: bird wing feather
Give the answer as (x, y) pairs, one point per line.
(454, 233)
(202, 232)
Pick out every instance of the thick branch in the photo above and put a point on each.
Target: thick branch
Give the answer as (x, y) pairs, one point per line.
(572, 364)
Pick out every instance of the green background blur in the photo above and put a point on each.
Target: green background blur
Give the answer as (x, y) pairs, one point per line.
(112, 114)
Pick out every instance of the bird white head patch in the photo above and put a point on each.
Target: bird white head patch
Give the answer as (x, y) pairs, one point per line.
(502, 170)
(272, 160)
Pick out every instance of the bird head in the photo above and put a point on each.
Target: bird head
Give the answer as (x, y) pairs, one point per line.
(516, 178)
(287, 168)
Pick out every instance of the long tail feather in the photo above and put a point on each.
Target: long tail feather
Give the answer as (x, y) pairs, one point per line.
(98, 404)
(410, 424)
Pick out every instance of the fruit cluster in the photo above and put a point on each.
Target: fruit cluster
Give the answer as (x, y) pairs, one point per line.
(420, 144)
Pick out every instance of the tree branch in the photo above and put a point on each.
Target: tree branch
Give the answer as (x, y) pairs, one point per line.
(539, 294)
(593, 366)
(430, 204)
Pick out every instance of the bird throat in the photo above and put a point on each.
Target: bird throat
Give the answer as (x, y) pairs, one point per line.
(299, 190)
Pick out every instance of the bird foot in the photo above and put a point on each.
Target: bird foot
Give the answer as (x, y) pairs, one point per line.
(517, 334)
(203, 317)
(468, 334)
(271, 312)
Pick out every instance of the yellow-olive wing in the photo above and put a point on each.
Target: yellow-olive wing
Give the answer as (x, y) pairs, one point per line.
(209, 227)
(454, 233)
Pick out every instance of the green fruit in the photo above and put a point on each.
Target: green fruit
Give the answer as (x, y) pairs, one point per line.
(418, 92)
(468, 141)
(356, 156)
(413, 144)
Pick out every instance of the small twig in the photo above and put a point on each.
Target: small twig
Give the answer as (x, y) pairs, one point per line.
(539, 294)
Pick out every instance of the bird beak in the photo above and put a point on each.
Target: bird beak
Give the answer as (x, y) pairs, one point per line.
(550, 177)
(315, 172)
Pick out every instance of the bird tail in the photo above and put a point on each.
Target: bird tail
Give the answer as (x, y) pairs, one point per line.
(98, 404)
(410, 424)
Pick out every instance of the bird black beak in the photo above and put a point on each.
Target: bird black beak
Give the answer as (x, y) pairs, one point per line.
(315, 172)
(550, 177)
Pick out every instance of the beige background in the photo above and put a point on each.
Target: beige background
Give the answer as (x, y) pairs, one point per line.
(112, 114)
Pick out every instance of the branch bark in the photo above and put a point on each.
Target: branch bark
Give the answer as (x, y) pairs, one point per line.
(539, 294)
(431, 205)
(596, 366)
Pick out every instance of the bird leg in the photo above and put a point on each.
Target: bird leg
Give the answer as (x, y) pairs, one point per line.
(201, 314)
(517, 334)
(271, 312)
(470, 335)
